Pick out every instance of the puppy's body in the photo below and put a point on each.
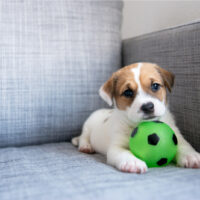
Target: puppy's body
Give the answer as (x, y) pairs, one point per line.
(132, 90)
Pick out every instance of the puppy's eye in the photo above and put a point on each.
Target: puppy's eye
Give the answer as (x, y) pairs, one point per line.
(155, 87)
(128, 93)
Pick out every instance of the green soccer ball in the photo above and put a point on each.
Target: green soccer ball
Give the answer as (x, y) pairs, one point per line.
(153, 142)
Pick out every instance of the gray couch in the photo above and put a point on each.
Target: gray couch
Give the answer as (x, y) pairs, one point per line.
(54, 55)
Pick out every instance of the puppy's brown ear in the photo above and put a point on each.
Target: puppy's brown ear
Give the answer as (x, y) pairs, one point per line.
(167, 77)
(106, 91)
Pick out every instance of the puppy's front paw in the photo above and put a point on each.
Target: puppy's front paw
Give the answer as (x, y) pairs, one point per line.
(133, 165)
(86, 148)
(189, 160)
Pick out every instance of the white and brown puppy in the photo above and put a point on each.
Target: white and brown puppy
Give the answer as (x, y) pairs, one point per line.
(138, 93)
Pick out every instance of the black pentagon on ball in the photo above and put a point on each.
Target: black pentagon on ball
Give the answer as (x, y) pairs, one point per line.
(157, 121)
(153, 139)
(162, 161)
(134, 132)
(175, 139)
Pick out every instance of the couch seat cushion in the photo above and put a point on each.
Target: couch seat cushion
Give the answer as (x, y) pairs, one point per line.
(59, 171)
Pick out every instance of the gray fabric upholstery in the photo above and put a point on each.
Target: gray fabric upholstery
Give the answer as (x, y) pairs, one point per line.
(54, 56)
(178, 50)
(59, 171)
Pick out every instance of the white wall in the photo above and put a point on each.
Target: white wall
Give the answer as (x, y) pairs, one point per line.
(140, 17)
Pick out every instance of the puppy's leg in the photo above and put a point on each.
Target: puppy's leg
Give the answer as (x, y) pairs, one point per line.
(84, 141)
(75, 141)
(186, 155)
(125, 161)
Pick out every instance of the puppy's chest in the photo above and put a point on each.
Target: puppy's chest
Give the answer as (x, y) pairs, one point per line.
(122, 130)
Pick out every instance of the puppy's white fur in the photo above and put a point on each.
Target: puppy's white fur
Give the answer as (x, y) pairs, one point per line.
(107, 131)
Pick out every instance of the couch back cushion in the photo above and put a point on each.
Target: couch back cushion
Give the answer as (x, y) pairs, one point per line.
(55, 54)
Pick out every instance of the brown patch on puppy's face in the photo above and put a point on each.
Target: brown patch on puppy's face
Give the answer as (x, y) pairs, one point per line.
(149, 75)
(121, 81)
(125, 84)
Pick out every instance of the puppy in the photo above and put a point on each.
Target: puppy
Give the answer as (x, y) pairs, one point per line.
(138, 93)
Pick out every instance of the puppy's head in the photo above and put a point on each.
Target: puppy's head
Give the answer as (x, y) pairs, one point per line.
(139, 90)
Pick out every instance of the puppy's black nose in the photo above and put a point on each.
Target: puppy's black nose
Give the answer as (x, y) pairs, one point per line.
(148, 108)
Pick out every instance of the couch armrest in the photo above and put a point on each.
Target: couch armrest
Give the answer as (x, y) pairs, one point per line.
(178, 50)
